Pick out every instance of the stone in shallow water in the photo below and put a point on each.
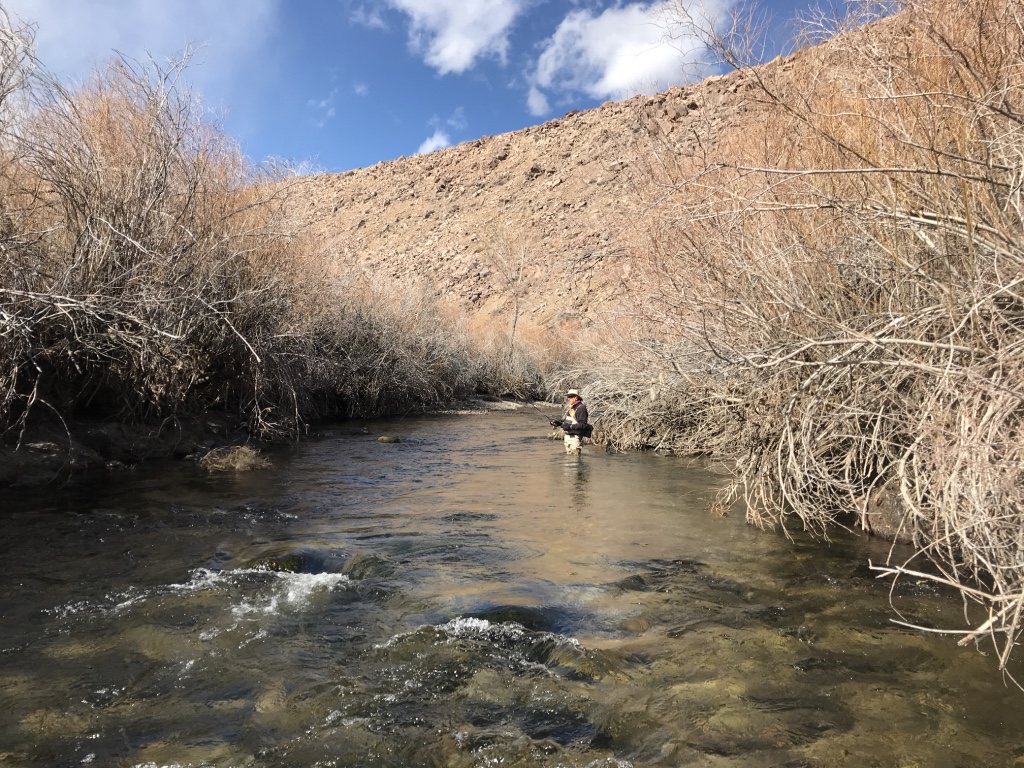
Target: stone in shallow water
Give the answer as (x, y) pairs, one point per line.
(239, 458)
(296, 561)
(271, 698)
(771, 615)
(51, 720)
(634, 583)
(535, 618)
(175, 753)
(364, 566)
(291, 563)
(636, 626)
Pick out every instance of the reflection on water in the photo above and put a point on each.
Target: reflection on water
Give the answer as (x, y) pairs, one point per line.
(472, 596)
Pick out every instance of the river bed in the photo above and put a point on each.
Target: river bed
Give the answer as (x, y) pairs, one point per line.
(468, 597)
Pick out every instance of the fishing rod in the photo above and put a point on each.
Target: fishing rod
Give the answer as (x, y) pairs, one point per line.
(547, 417)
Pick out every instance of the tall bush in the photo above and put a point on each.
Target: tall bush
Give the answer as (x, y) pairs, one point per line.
(841, 313)
(151, 271)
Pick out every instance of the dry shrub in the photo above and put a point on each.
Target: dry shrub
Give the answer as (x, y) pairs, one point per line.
(514, 352)
(240, 458)
(513, 362)
(150, 270)
(403, 349)
(840, 308)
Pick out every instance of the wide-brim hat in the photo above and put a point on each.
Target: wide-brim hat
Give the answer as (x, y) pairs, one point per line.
(572, 393)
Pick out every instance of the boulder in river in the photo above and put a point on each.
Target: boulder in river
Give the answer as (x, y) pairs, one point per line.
(363, 566)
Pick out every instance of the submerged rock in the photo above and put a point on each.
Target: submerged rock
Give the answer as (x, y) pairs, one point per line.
(389, 439)
(292, 563)
(634, 583)
(57, 451)
(534, 618)
(636, 626)
(364, 566)
(271, 698)
(297, 561)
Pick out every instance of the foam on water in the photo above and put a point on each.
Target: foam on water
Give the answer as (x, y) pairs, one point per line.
(494, 632)
(301, 586)
(463, 627)
(510, 642)
(294, 590)
(459, 627)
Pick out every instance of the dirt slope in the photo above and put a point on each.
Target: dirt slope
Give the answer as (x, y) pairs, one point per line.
(559, 199)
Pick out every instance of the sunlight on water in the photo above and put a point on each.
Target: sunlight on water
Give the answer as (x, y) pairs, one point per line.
(469, 597)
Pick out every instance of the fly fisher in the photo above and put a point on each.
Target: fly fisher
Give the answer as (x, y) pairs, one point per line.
(574, 422)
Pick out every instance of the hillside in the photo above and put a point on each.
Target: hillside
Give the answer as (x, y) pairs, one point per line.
(562, 197)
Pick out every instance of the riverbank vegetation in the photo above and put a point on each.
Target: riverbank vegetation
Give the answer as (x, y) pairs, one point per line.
(839, 311)
(151, 271)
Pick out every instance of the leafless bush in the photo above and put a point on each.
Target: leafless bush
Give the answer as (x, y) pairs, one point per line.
(841, 309)
(17, 64)
(147, 260)
(402, 351)
(511, 359)
(519, 375)
(150, 270)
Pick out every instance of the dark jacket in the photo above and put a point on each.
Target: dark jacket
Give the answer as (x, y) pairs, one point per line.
(581, 428)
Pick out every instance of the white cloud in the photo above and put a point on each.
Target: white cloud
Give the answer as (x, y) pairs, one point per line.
(441, 137)
(457, 120)
(324, 104)
(619, 52)
(452, 34)
(439, 140)
(73, 37)
(537, 102)
(371, 19)
(360, 89)
(324, 109)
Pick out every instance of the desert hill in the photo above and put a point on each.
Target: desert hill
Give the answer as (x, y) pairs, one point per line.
(561, 200)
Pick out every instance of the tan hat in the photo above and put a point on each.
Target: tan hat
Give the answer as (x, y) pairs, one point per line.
(572, 393)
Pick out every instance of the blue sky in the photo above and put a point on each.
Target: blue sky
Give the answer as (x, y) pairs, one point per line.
(336, 84)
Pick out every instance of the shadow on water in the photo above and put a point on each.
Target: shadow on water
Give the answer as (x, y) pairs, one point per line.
(471, 596)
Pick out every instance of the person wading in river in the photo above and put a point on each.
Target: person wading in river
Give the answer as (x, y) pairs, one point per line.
(574, 422)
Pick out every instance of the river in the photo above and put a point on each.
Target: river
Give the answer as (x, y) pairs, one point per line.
(468, 597)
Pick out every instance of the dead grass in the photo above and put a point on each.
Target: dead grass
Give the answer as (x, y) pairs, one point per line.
(239, 458)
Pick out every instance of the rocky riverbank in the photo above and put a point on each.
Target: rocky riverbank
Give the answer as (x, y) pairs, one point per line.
(57, 454)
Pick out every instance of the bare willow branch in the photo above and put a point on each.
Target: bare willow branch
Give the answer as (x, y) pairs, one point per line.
(833, 304)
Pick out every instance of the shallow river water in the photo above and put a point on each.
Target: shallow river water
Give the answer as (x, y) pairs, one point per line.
(469, 597)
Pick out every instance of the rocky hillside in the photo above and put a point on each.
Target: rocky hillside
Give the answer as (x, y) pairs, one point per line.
(549, 213)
